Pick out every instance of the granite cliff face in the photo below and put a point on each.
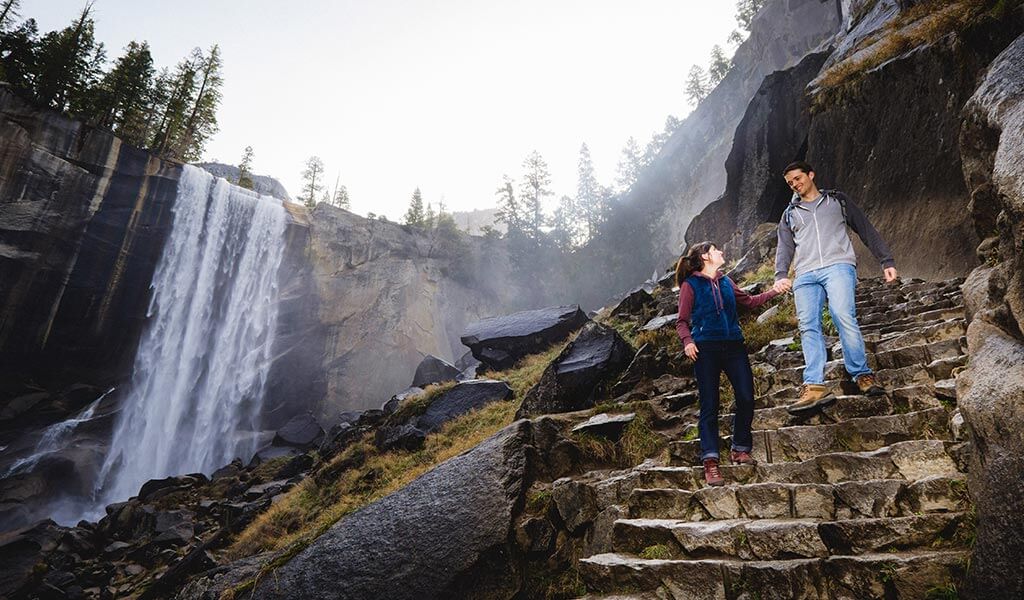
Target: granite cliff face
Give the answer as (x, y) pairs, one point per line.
(688, 173)
(388, 295)
(991, 390)
(899, 160)
(83, 219)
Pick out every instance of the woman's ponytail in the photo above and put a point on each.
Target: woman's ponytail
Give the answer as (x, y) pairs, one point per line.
(691, 261)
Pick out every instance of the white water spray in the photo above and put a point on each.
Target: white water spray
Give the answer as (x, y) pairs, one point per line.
(202, 365)
(54, 438)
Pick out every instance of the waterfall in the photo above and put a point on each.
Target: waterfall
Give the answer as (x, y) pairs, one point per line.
(54, 438)
(202, 364)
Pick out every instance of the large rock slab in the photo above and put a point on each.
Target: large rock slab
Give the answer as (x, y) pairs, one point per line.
(445, 535)
(498, 342)
(569, 383)
(301, 431)
(433, 370)
(459, 400)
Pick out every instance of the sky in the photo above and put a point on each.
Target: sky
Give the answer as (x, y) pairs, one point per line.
(447, 95)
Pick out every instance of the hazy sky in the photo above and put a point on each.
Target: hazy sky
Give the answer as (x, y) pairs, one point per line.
(445, 95)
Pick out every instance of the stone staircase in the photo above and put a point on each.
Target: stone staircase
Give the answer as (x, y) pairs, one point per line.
(863, 499)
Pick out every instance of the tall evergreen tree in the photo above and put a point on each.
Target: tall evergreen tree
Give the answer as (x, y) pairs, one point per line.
(415, 215)
(696, 85)
(245, 169)
(509, 211)
(69, 63)
(311, 177)
(18, 55)
(533, 189)
(745, 12)
(567, 228)
(629, 165)
(202, 120)
(588, 194)
(719, 67)
(178, 93)
(429, 217)
(121, 98)
(8, 13)
(341, 199)
(658, 140)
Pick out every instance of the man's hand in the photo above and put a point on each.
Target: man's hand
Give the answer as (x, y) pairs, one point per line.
(890, 274)
(691, 351)
(783, 285)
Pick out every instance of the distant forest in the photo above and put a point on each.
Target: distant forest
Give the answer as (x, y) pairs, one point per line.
(172, 112)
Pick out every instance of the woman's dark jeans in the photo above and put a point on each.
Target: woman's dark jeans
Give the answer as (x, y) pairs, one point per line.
(712, 359)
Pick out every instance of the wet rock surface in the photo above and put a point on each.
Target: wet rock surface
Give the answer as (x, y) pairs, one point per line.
(498, 342)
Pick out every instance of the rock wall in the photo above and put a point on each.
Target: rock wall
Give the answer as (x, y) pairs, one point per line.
(387, 295)
(689, 172)
(991, 390)
(900, 161)
(83, 219)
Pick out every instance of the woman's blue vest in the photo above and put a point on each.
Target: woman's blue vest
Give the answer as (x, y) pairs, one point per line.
(713, 317)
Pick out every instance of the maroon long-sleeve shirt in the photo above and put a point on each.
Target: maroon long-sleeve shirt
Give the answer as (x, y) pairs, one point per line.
(686, 303)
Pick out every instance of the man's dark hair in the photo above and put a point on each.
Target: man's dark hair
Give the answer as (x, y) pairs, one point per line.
(798, 165)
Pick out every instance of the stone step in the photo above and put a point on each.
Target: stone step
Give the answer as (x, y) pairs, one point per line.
(844, 500)
(922, 354)
(835, 373)
(916, 321)
(902, 300)
(936, 332)
(878, 315)
(898, 576)
(801, 442)
(776, 539)
(910, 460)
(905, 398)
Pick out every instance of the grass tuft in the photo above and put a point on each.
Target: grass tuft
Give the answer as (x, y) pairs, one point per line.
(656, 552)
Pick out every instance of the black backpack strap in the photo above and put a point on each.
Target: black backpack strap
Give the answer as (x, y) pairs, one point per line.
(841, 199)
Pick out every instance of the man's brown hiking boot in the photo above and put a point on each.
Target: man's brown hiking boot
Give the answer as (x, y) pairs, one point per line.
(741, 458)
(868, 385)
(711, 473)
(812, 396)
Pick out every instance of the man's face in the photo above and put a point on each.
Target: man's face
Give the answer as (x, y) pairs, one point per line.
(798, 181)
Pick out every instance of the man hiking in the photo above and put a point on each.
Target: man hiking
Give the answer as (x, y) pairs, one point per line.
(812, 232)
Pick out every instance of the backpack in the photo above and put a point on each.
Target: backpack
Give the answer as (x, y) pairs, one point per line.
(827, 193)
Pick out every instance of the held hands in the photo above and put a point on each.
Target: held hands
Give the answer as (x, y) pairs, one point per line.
(783, 285)
(691, 351)
(890, 274)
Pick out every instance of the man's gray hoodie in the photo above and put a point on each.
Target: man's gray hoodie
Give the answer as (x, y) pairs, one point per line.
(815, 233)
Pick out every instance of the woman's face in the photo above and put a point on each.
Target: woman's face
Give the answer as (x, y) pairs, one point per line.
(714, 257)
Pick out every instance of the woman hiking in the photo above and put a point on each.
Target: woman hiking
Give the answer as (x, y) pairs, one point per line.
(710, 330)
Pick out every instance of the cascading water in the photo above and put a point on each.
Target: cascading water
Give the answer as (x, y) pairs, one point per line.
(202, 365)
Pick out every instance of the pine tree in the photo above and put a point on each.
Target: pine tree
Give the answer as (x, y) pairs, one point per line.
(69, 63)
(8, 13)
(746, 10)
(629, 165)
(245, 169)
(533, 190)
(121, 98)
(696, 85)
(178, 93)
(311, 175)
(202, 120)
(415, 216)
(509, 212)
(430, 217)
(658, 140)
(567, 227)
(18, 55)
(341, 199)
(588, 194)
(719, 67)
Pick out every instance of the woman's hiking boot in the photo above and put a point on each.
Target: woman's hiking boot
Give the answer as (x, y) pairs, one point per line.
(741, 458)
(812, 396)
(868, 385)
(711, 473)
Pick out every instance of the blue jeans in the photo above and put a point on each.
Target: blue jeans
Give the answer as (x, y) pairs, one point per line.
(712, 359)
(838, 284)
